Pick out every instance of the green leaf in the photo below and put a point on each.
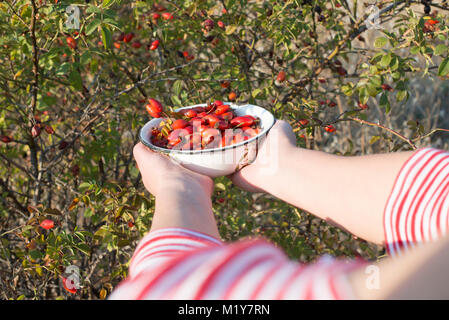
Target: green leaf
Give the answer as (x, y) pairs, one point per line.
(94, 65)
(380, 42)
(401, 95)
(256, 92)
(83, 186)
(85, 57)
(102, 232)
(75, 80)
(107, 3)
(49, 101)
(93, 9)
(444, 67)
(374, 139)
(440, 49)
(347, 89)
(106, 36)
(372, 90)
(113, 23)
(35, 254)
(220, 186)
(230, 29)
(52, 211)
(176, 100)
(363, 95)
(92, 26)
(384, 103)
(88, 213)
(63, 69)
(385, 61)
(414, 50)
(177, 86)
(84, 248)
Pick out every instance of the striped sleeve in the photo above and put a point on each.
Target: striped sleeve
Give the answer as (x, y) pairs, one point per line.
(159, 246)
(248, 269)
(417, 209)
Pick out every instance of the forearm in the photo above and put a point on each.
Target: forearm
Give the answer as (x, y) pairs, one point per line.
(350, 192)
(184, 204)
(418, 274)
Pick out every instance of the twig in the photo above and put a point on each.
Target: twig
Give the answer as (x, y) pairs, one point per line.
(402, 137)
(430, 133)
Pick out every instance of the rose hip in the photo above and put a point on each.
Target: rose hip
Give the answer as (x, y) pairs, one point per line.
(227, 116)
(71, 42)
(179, 124)
(211, 120)
(199, 128)
(242, 121)
(222, 109)
(190, 113)
(128, 37)
(154, 45)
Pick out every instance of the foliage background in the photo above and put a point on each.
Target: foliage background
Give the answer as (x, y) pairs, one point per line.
(83, 176)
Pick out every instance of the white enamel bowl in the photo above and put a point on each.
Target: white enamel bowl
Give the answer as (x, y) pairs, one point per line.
(218, 161)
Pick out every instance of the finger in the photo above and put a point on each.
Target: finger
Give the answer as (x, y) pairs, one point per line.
(140, 152)
(147, 159)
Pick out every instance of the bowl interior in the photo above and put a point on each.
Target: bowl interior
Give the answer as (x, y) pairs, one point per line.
(266, 122)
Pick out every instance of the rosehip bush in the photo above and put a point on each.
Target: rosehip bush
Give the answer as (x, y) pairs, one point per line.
(75, 83)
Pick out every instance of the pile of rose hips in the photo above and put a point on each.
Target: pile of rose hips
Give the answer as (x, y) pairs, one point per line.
(213, 126)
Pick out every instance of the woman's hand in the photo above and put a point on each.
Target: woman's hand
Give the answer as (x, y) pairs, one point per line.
(160, 173)
(277, 145)
(182, 196)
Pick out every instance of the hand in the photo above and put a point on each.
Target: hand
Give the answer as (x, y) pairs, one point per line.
(279, 141)
(160, 173)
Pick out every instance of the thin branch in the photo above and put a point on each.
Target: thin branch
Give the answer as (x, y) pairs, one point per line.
(378, 125)
(430, 133)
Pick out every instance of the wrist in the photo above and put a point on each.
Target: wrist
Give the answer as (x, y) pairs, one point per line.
(181, 185)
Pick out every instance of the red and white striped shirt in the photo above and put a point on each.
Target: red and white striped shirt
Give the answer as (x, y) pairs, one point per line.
(418, 207)
(177, 263)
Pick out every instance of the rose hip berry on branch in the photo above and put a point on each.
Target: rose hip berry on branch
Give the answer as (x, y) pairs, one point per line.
(303, 122)
(47, 224)
(5, 139)
(154, 108)
(71, 42)
(362, 106)
(128, 37)
(49, 129)
(36, 131)
(331, 104)
(281, 76)
(430, 26)
(212, 126)
(208, 24)
(155, 16)
(136, 44)
(232, 96)
(167, 16)
(154, 45)
(330, 128)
